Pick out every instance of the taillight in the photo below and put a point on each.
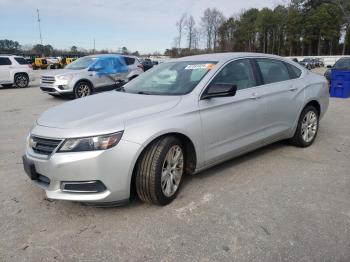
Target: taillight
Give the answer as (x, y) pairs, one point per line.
(141, 66)
(30, 65)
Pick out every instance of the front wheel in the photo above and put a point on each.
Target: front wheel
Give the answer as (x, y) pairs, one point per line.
(82, 89)
(160, 170)
(307, 127)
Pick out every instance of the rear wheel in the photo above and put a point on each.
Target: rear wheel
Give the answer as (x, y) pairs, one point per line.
(82, 89)
(160, 170)
(307, 127)
(21, 80)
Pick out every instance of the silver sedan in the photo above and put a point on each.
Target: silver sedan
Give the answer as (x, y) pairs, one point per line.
(178, 118)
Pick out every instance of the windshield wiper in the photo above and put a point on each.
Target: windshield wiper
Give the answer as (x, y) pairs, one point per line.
(120, 89)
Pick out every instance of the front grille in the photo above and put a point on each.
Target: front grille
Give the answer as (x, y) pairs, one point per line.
(44, 146)
(47, 89)
(47, 79)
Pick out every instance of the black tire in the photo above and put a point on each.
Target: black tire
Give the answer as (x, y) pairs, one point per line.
(78, 92)
(7, 85)
(149, 170)
(299, 136)
(21, 80)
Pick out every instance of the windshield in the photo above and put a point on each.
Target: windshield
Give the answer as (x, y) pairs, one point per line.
(173, 78)
(342, 64)
(82, 63)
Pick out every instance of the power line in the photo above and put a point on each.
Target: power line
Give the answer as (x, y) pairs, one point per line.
(41, 39)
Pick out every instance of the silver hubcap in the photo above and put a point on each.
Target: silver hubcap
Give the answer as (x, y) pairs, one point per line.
(21, 81)
(172, 171)
(309, 126)
(83, 90)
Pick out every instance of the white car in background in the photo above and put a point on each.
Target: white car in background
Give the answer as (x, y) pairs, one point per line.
(15, 70)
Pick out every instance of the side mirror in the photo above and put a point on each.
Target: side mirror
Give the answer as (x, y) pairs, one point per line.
(219, 90)
(329, 66)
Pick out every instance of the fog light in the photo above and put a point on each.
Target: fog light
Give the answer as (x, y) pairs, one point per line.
(83, 187)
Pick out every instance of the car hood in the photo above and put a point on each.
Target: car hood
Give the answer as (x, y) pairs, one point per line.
(106, 112)
(58, 72)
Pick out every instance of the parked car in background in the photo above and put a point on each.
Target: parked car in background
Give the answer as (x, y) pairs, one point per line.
(308, 63)
(82, 77)
(15, 70)
(155, 62)
(179, 118)
(147, 64)
(319, 62)
(40, 63)
(341, 64)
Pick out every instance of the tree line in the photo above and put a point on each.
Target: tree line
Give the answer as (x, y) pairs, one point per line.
(301, 28)
(14, 47)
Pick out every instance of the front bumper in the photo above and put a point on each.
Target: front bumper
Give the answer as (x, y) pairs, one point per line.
(58, 87)
(112, 167)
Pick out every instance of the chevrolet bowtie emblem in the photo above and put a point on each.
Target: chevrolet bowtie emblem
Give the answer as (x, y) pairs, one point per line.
(32, 143)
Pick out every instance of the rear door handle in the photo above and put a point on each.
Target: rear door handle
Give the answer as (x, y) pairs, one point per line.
(255, 96)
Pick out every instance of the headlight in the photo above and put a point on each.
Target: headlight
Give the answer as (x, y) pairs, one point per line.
(65, 77)
(102, 142)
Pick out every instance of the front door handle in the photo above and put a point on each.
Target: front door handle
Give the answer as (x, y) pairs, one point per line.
(255, 96)
(293, 88)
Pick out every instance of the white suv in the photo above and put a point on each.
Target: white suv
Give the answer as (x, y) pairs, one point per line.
(15, 70)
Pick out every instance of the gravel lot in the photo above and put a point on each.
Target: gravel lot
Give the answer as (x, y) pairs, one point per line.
(279, 203)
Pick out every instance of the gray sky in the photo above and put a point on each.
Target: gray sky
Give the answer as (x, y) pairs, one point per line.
(143, 25)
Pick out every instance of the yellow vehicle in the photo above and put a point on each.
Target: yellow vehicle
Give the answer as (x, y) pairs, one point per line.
(40, 63)
(69, 60)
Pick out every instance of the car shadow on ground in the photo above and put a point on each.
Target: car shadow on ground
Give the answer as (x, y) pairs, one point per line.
(188, 180)
(231, 163)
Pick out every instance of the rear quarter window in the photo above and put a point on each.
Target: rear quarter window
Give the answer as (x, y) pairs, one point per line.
(294, 72)
(21, 61)
(5, 61)
(129, 60)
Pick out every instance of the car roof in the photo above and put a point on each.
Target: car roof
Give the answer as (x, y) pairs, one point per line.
(109, 55)
(223, 57)
(7, 55)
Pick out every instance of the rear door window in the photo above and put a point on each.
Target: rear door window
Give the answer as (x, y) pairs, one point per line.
(272, 70)
(5, 61)
(21, 61)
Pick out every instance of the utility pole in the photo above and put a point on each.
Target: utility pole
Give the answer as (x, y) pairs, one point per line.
(94, 46)
(41, 39)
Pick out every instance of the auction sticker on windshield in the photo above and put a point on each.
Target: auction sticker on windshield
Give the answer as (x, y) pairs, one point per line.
(199, 66)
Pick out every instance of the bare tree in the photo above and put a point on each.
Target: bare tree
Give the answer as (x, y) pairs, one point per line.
(218, 20)
(190, 28)
(211, 21)
(180, 27)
